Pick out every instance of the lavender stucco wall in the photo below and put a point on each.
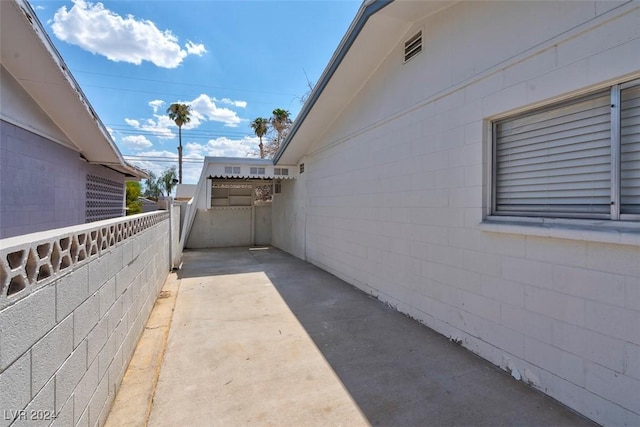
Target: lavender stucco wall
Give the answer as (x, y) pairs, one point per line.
(42, 183)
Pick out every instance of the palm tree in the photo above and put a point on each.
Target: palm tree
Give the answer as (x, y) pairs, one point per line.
(280, 121)
(180, 114)
(260, 126)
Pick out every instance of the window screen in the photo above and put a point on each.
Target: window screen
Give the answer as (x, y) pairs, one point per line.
(630, 151)
(556, 161)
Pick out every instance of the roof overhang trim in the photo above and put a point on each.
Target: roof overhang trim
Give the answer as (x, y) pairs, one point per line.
(366, 11)
(27, 53)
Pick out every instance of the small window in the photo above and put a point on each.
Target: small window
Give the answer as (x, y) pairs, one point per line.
(575, 159)
(413, 46)
(301, 167)
(261, 171)
(228, 169)
(236, 170)
(232, 170)
(281, 171)
(277, 187)
(253, 171)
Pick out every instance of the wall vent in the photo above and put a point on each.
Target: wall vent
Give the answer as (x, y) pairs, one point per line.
(413, 46)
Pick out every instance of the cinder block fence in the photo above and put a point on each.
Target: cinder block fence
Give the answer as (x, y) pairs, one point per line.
(73, 303)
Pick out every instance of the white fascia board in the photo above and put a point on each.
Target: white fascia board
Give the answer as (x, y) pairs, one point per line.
(29, 55)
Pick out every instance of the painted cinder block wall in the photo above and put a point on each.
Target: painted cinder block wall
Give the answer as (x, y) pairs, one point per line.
(288, 213)
(230, 226)
(65, 343)
(42, 183)
(42, 178)
(394, 196)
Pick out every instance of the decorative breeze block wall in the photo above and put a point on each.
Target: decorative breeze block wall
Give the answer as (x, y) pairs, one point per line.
(73, 303)
(104, 198)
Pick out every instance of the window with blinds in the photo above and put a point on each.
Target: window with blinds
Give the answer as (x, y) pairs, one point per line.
(576, 159)
(630, 150)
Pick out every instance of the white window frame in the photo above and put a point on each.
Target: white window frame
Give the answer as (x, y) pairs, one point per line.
(613, 218)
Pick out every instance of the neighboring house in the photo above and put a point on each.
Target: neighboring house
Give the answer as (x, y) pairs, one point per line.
(477, 166)
(58, 163)
(225, 210)
(147, 205)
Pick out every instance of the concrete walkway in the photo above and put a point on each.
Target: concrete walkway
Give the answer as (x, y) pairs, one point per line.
(259, 337)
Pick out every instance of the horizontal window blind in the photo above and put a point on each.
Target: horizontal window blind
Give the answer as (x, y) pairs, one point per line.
(630, 151)
(556, 161)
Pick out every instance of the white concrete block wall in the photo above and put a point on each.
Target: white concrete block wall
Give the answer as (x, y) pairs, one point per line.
(288, 214)
(393, 198)
(221, 227)
(65, 343)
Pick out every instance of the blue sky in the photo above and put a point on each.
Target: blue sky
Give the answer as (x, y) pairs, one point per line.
(232, 61)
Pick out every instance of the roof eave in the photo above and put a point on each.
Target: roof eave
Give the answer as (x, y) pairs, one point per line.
(86, 128)
(367, 9)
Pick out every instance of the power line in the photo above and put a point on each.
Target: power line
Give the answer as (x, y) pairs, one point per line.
(155, 93)
(191, 134)
(183, 84)
(161, 160)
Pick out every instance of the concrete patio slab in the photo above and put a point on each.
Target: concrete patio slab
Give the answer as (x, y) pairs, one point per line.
(262, 338)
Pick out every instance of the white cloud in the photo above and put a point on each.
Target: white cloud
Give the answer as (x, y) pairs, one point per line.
(226, 147)
(195, 49)
(40, 7)
(205, 107)
(162, 160)
(159, 127)
(194, 154)
(155, 104)
(128, 39)
(194, 148)
(137, 142)
(240, 104)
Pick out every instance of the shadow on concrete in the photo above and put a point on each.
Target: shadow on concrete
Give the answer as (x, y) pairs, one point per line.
(398, 371)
